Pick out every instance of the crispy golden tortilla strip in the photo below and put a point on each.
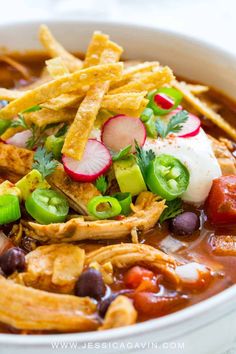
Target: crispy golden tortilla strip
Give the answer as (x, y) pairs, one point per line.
(120, 313)
(147, 82)
(9, 95)
(75, 81)
(10, 132)
(97, 45)
(197, 89)
(52, 268)
(23, 70)
(31, 309)
(63, 101)
(204, 109)
(77, 194)
(79, 131)
(55, 49)
(14, 159)
(78, 229)
(122, 101)
(56, 67)
(130, 72)
(46, 116)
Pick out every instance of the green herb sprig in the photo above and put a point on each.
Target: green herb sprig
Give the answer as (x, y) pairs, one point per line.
(143, 158)
(101, 184)
(174, 125)
(174, 208)
(123, 153)
(44, 162)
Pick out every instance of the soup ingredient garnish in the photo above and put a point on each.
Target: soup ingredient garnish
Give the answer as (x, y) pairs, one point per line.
(9, 208)
(20, 139)
(167, 177)
(120, 131)
(174, 208)
(221, 202)
(7, 187)
(30, 182)
(129, 176)
(104, 207)
(43, 162)
(90, 283)
(4, 125)
(143, 157)
(174, 125)
(101, 184)
(158, 103)
(95, 161)
(146, 115)
(12, 260)
(125, 201)
(190, 128)
(185, 224)
(123, 153)
(54, 144)
(47, 206)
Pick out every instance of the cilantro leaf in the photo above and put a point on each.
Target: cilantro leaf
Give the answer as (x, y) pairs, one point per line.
(143, 158)
(101, 184)
(174, 208)
(19, 122)
(32, 109)
(43, 162)
(174, 125)
(122, 153)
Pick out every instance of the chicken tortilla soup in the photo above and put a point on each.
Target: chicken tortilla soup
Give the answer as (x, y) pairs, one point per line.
(117, 190)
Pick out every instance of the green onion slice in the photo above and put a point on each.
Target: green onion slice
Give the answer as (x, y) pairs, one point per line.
(9, 208)
(125, 200)
(104, 207)
(47, 206)
(171, 92)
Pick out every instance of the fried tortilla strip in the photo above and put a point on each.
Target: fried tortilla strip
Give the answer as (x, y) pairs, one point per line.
(225, 159)
(202, 108)
(130, 72)
(64, 101)
(224, 245)
(10, 95)
(79, 131)
(122, 101)
(15, 159)
(31, 309)
(52, 268)
(120, 313)
(55, 49)
(197, 89)
(77, 194)
(125, 255)
(23, 70)
(147, 82)
(56, 67)
(75, 81)
(46, 116)
(77, 229)
(95, 49)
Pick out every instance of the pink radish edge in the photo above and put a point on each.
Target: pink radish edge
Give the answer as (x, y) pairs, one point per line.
(196, 125)
(113, 140)
(78, 176)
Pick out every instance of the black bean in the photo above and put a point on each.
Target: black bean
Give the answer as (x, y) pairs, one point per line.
(105, 303)
(13, 260)
(91, 284)
(184, 224)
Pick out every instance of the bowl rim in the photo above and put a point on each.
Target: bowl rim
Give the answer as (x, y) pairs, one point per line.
(168, 321)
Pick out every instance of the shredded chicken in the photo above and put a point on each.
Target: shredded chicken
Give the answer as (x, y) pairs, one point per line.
(224, 245)
(120, 313)
(53, 268)
(78, 229)
(226, 160)
(128, 254)
(15, 159)
(31, 309)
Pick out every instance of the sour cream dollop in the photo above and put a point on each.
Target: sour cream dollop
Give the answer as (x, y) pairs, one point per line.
(197, 155)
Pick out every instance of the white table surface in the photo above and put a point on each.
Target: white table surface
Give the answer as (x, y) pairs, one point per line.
(211, 20)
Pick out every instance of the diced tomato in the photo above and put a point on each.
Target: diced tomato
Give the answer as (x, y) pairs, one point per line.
(149, 304)
(136, 275)
(221, 202)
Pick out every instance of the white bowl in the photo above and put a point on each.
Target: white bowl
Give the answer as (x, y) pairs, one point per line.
(208, 327)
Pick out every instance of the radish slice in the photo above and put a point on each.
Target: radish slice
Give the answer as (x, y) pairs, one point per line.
(20, 139)
(190, 128)
(163, 101)
(121, 131)
(95, 161)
